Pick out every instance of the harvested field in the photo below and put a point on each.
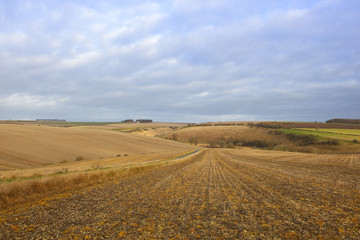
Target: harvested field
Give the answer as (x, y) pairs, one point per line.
(25, 186)
(216, 193)
(86, 165)
(24, 146)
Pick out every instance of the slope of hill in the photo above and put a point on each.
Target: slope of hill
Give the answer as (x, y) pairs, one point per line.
(212, 135)
(261, 136)
(23, 146)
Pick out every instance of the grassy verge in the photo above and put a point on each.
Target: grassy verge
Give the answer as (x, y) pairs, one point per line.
(30, 191)
(34, 176)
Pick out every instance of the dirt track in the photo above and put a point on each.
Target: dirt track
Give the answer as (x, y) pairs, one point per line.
(224, 194)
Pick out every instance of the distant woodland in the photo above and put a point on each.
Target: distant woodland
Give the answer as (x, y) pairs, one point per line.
(344, 120)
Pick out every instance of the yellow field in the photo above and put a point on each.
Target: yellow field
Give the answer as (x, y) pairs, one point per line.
(24, 146)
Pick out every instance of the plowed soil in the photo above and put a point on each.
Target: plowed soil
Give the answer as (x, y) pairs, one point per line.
(217, 193)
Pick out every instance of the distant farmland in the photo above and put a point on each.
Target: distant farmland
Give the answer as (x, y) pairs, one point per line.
(271, 137)
(343, 134)
(24, 146)
(352, 132)
(313, 125)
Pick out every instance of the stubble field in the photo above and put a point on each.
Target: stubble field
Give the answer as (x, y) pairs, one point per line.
(215, 193)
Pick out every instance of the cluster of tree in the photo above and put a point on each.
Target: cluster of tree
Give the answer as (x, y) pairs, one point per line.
(193, 141)
(213, 124)
(238, 142)
(50, 120)
(330, 142)
(265, 125)
(333, 123)
(306, 139)
(344, 120)
(173, 137)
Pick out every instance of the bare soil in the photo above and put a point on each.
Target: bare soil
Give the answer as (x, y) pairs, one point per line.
(215, 194)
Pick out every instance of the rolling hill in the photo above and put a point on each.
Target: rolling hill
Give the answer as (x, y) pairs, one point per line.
(24, 146)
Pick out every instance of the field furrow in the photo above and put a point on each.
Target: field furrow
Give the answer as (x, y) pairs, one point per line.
(215, 193)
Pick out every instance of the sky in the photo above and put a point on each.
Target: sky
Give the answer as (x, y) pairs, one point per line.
(180, 61)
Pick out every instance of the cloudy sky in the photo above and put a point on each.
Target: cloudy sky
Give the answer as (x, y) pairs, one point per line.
(182, 60)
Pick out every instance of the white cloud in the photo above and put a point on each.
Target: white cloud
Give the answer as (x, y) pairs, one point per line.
(25, 100)
(34, 61)
(12, 38)
(85, 12)
(118, 33)
(146, 20)
(232, 59)
(78, 37)
(349, 84)
(56, 16)
(98, 27)
(202, 94)
(296, 13)
(196, 6)
(80, 60)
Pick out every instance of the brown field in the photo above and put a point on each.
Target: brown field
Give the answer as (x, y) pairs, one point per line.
(215, 193)
(29, 145)
(208, 134)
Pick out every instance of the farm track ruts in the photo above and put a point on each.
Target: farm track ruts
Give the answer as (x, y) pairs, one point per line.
(214, 194)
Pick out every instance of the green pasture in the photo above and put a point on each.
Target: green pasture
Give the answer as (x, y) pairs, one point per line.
(353, 132)
(340, 134)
